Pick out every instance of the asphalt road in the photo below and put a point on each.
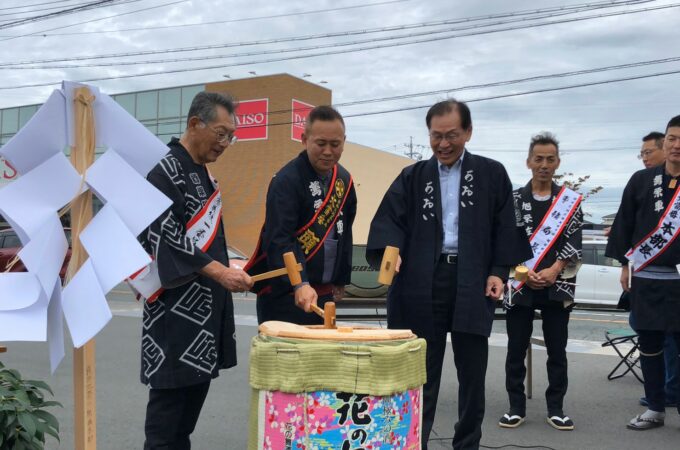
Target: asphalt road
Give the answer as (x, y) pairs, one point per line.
(600, 408)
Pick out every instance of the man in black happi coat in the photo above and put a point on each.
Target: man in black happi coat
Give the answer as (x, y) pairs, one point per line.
(550, 285)
(311, 204)
(453, 220)
(644, 233)
(188, 326)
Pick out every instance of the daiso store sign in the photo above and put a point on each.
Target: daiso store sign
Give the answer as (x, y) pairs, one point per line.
(300, 111)
(252, 119)
(7, 172)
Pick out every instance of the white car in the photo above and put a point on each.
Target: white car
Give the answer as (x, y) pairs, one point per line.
(597, 282)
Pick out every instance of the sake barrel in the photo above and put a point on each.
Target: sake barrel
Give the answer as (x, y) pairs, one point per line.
(335, 389)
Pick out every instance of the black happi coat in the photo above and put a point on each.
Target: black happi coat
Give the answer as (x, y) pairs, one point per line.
(567, 246)
(655, 303)
(188, 332)
(489, 242)
(292, 199)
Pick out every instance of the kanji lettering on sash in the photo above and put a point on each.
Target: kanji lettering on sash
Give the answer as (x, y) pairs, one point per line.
(529, 231)
(668, 227)
(657, 240)
(308, 240)
(673, 214)
(526, 206)
(556, 215)
(527, 218)
(427, 203)
(676, 206)
(428, 188)
(467, 192)
(658, 180)
(534, 247)
(317, 203)
(340, 226)
(646, 250)
(658, 206)
(547, 230)
(468, 176)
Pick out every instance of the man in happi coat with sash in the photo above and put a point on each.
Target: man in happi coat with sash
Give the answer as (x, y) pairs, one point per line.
(453, 220)
(311, 204)
(552, 218)
(644, 234)
(188, 325)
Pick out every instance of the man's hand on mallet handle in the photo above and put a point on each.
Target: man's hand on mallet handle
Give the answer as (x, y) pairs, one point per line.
(234, 280)
(305, 297)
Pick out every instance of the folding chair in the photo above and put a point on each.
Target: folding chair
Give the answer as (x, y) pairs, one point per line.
(630, 360)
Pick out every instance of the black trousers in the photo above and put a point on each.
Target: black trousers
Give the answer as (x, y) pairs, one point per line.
(470, 353)
(520, 320)
(653, 366)
(171, 416)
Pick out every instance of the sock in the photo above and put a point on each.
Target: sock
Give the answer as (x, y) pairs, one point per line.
(649, 414)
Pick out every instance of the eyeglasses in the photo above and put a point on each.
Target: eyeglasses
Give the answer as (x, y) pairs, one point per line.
(222, 137)
(451, 137)
(646, 153)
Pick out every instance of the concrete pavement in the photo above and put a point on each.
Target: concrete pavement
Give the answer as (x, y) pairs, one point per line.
(599, 408)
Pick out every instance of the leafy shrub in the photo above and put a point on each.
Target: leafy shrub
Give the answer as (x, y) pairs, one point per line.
(24, 424)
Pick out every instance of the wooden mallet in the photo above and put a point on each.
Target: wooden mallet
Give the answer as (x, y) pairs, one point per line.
(292, 268)
(521, 273)
(327, 314)
(388, 265)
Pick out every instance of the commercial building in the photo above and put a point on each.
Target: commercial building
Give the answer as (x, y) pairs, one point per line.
(271, 115)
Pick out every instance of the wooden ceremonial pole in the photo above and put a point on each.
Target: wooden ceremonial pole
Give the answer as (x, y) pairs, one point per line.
(84, 378)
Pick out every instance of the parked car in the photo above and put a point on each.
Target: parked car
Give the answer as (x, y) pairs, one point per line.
(597, 280)
(10, 246)
(237, 260)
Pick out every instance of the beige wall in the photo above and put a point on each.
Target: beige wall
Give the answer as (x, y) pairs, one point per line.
(373, 172)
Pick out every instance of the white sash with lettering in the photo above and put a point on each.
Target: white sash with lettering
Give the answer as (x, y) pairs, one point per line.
(659, 239)
(201, 229)
(563, 207)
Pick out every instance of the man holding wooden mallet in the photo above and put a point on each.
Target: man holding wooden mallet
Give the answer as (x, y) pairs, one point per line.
(188, 326)
(310, 209)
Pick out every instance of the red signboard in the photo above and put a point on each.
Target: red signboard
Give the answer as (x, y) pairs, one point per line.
(300, 111)
(252, 117)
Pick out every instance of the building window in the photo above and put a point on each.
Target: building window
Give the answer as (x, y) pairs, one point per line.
(169, 103)
(10, 121)
(147, 106)
(25, 113)
(127, 101)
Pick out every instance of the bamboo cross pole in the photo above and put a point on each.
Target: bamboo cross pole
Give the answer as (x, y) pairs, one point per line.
(84, 377)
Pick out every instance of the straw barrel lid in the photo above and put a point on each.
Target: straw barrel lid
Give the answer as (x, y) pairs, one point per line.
(276, 328)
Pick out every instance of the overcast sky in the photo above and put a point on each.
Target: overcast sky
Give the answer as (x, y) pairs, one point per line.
(599, 126)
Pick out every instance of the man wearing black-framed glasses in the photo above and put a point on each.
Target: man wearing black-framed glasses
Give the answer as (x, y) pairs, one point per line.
(188, 325)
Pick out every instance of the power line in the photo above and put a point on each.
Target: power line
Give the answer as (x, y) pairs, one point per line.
(93, 20)
(50, 8)
(311, 55)
(288, 50)
(65, 11)
(42, 32)
(536, 13)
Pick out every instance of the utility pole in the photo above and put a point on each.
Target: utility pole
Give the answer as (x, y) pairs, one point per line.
(412, 151)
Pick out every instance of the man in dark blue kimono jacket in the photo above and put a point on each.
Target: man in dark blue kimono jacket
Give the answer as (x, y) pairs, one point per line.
(453, 220)
(311, 204)
(550, 286)
(644, 233)
(188, 325)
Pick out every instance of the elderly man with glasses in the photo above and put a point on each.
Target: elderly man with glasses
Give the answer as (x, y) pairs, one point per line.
(188, 325)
